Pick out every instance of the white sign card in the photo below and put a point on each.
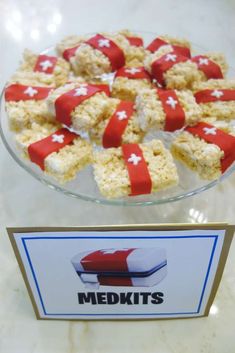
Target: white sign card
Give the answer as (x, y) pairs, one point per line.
(125, 272)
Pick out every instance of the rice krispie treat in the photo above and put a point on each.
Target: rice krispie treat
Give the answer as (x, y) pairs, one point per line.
(67, 49)
(134, 169)
(167, 110)
(57, 151)
(179, 45)
(120, 126)
(45, 68)
(136, 53)
(25, 105)
(173, 70)
(205, 149)
(129, 81)
(32, 79)
(80, 106)
(216, 98)
(101, 54)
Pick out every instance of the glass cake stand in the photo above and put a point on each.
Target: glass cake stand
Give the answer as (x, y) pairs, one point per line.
(84, 186)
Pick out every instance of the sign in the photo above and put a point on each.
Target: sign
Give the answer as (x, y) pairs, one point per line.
(122, 272)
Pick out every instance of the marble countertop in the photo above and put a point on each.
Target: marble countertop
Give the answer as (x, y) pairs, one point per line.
(37, 25)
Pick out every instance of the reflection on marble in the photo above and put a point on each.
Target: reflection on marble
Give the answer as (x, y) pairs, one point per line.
(37, 25)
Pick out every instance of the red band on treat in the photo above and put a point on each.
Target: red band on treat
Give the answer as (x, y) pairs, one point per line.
(109, 49)
(135, 41)
(209, 67)
(117, 124)
(67, 102)
(107, 260)
(224, 141)
(137, 167)
(39, 150)
(133, 73)
(45, 64)
(70, 52)
(175, 116)
(164, 63)
(104, 88)
(158, 43)
(17, 92)
(215, 95)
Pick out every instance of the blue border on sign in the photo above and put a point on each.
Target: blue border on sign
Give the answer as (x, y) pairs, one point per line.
(215, 237)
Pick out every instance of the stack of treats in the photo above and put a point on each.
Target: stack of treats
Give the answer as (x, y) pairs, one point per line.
(98, 101)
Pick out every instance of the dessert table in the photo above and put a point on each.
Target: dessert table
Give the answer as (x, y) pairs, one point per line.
(26, 202)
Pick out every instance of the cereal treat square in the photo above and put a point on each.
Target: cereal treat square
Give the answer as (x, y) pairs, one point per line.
(102, 53)
(32, 79)
(119, 126)
(80, 106)
(136, 53)
(175, 71)
(216, 98)
(129, 81)
(26, 105)
(66, 153)
(67, 48)
(167, 110)
(115, 179)
(52, 70)
(205, 149)
(180, 45)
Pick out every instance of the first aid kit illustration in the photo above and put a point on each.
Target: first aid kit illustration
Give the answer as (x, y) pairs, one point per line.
(133, 267)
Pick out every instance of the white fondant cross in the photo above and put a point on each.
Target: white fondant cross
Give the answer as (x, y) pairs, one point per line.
(80, 91)
(121, 115)
(171, 57)
(132, 70)
(203, 61)
(58, 138)
(112, 251)
(171, 102)
(30, 91)
(46, 64)
(210, 130)
(104, 43)
(134, 159)
(216, 93)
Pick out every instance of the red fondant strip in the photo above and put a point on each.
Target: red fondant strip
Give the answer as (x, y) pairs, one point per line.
(164, 63)
(133, 73)
(17, 92)
(70, 52)
(135, 41)
(107, 260)
(185, 51)
(140, 180)
(104, 88)
(218, 137)
(39, 150)
(67, 102)
(117, 124)
(175, 116)
(109, 49)
(45, 64)
(209, 67)
(158, 43)
(215, 95)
